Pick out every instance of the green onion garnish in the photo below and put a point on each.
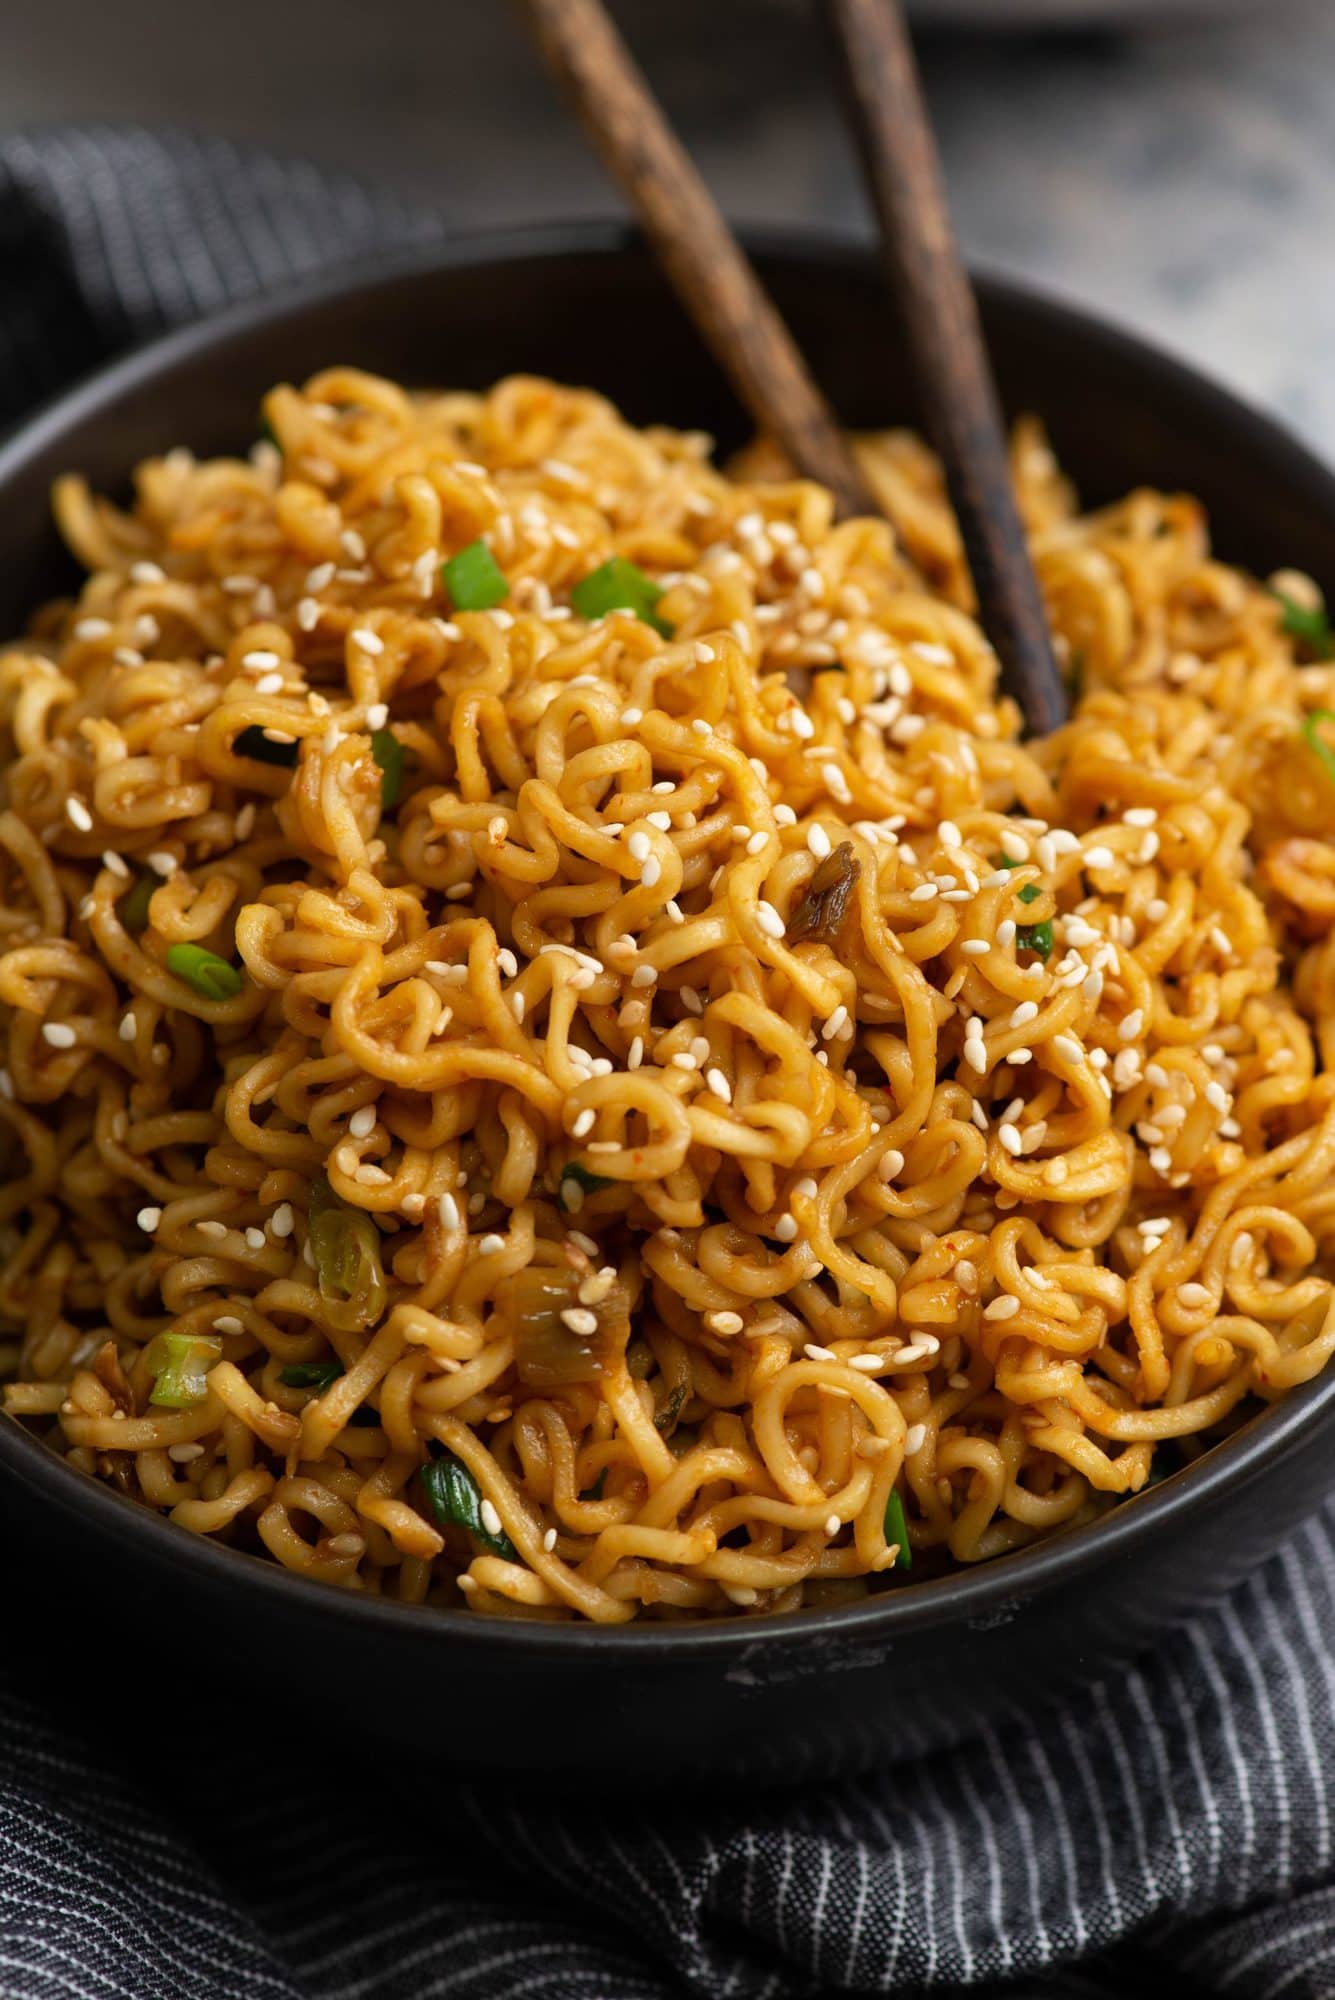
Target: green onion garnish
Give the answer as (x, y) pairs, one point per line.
(619, 585)
(134, 904)
(1035, 937)
(1314, 740)
(1311, 625)
(897, 1530)
(179, 1364)
(212, 977)
(1028, 892)
(474, 579)
(345, 1244)
(389, 754)
(576, 1181)
(262, 749)
(310, 1374)
(456, 1499)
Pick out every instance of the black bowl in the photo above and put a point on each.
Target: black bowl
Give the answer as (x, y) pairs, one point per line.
(771, 1698)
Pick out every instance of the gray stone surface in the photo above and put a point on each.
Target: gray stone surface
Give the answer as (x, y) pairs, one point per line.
(1181, 178)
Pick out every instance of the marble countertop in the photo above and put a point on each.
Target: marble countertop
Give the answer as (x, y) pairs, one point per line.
(1180, 178)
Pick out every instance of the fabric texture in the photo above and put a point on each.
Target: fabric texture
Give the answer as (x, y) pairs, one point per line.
(1169, 1831)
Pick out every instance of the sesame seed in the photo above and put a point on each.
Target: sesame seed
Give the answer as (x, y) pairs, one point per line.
(283, 1221)
(719, 1085)
(1068, 1046)
(949, 834)
(815, 1353)
(370, 642)
(1009, 1136)
(644, 975)
(818, 841)
(866, 1364)
(651, 872)
(925, 892)
(162, 863)
(255, 1239)
(490, 1245)
(724, 1322)
(78, 814)
(549, 1540)
(58, 1035)
(835, 1024)
(975, 947)
(362, 1122)
(580, 1320)
(1194, 1296)
(584, 1123)
(769, 920)
(149, 1219)
(1004, 1307)
(1131, 1025)
(785, 1228)
(211, 1227)
(914, 1439)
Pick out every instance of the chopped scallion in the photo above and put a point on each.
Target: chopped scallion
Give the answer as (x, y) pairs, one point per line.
(389, 754)
(212, 977)
(179, 1364)
(456, 1500)
(1028, 892)
(262, 749)
(345, 1244)
(474, 579)
(1035, 937)
(1314, 740)
(310, 1374)
(619, 585)
(1309, 623)
(897, 1530)
(133, 906)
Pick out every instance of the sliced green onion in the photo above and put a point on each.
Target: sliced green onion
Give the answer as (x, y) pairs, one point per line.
(576, 1181)
(212, 977)
(390, 755)
(1308, 623)
(179, 1364)
(1314, 740)
(456, 1500)
(474, 579)
(262, 749)
(1035, 937)
(310, 1374)
(666, 1420)
(619, 585)
(1028, 892)
(133, 906)
(897, 1530)
(345, 1244)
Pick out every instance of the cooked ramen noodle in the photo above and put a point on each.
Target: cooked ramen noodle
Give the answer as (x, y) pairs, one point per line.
(562, 1055)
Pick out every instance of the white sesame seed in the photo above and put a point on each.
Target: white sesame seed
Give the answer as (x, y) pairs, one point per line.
(834, 1024)
(914, 1439)
(926, 892)
(1009, 1136)
(283, 1222)
(1099, 857)
(815, 1353)
(866, 1364)
(724, 1322)
(651, 872)
(644, 975)
(370, 642)
(1131, 1024)
(975, 947)
(1194, 1296)
(949, 834)
(78, 814)
(1004, 1307)
(58, 1034)
(584, 1123)
(769, 920)
(362, 1122)
(785, 1228)
(489, 1246)
(255, 1238)
(149, 1219)
(162, 863)
(580, 1320)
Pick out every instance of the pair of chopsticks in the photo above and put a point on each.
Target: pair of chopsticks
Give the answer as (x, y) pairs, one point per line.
(719, 288)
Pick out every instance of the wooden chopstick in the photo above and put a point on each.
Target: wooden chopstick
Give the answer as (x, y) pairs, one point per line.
(716, 283)
(959, 398)
(711, 273)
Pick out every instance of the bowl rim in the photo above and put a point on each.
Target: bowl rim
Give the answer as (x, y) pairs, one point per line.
(969, 1596)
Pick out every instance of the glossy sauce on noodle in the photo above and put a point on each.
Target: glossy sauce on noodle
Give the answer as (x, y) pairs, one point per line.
(691, 1099)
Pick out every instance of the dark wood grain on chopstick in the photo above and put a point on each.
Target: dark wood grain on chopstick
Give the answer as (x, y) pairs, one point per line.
(709, 270)
(932, 290)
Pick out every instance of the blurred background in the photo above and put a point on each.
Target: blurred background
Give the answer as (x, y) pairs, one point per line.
(1171, 162)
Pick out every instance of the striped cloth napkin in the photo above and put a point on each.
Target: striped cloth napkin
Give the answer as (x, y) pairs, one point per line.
(1168, 1831)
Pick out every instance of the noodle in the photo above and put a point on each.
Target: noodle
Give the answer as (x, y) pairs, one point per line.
(654, 1102)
